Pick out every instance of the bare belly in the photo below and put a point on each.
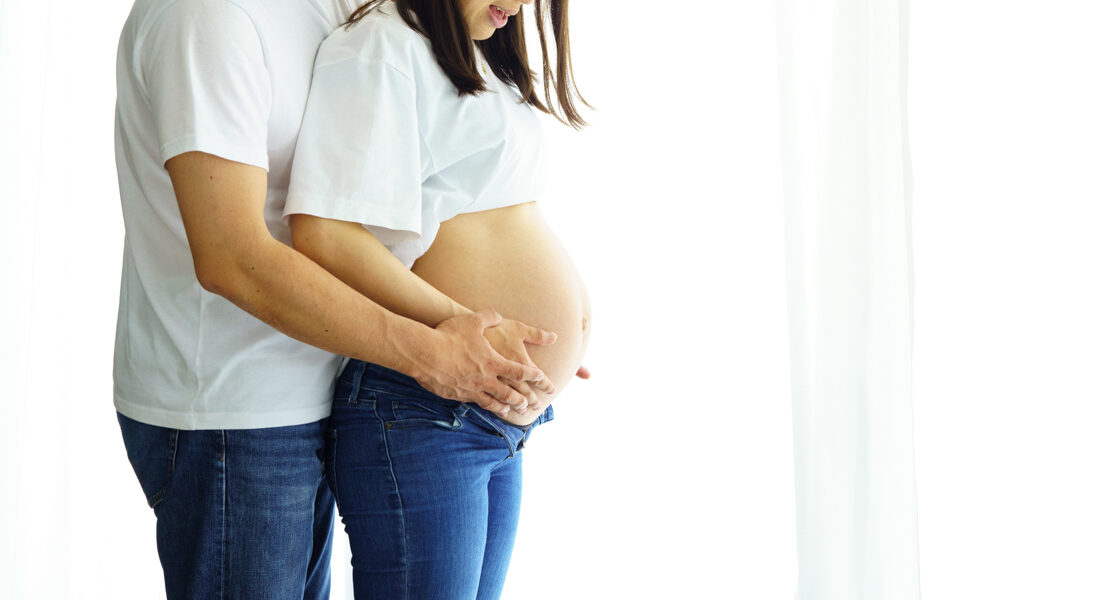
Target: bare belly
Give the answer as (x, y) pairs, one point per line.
(509, 260)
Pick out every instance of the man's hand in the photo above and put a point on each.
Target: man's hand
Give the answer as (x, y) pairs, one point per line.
(462, 365)
(509, 339)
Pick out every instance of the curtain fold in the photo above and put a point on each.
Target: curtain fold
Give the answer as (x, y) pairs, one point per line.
(848, 190)
(32, 482)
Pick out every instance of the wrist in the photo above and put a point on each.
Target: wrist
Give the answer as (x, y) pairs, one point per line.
(454, 309)
(410, 346)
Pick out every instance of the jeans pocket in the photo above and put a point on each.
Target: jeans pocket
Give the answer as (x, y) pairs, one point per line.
(152, 453)
(409, 412)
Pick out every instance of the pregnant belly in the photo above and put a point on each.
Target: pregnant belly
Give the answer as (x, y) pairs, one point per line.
(509, 260)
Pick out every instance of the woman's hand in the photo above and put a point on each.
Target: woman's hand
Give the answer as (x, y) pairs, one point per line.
(463, 365)
(509, 339)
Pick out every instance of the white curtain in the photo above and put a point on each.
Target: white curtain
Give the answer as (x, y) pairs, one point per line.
(843, 77)
(64, 488)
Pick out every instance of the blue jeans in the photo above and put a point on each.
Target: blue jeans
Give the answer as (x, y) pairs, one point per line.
(428, 488)
(241, 513)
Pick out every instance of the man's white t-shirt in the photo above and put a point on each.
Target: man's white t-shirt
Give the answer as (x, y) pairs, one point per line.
(229, 78)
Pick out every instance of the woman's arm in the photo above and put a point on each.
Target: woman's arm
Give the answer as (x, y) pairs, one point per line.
(352, 253)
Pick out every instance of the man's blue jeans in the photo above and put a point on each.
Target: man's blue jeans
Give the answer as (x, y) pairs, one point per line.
(428, 488)
(241, 513)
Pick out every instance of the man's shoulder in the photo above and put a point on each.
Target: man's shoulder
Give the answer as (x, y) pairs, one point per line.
(199, 6)
(167, 14)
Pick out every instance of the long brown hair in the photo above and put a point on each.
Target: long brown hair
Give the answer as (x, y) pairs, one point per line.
(441, 21)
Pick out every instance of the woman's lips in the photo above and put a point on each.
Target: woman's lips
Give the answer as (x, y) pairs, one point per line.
(499, 17)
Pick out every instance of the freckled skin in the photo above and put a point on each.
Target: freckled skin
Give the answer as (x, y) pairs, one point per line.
(509, 259)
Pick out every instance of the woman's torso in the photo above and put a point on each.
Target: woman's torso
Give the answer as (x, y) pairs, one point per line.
(464, 175)
(510, 260)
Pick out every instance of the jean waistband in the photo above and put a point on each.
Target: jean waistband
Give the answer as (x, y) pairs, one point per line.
(371, 376)
(371, 372)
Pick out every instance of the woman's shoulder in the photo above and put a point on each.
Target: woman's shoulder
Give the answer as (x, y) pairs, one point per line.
(381, 35)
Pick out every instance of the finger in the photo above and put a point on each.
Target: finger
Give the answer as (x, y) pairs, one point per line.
(541, 337)
(487, 317)
(530, 373)
(491, 404)
(540, 381)
(583, 372)
(523, 388)
(538, 403)
(516, 371)
(543, 385)
(515, 400)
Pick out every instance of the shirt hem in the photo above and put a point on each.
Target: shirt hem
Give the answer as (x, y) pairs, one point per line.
(400, 227)
(221, 420)
(222, 148)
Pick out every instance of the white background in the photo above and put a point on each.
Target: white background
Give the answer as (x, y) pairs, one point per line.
(1006, 219)
(669, 474)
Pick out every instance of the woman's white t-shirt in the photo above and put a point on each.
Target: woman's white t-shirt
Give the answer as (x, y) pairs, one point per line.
(386, 140)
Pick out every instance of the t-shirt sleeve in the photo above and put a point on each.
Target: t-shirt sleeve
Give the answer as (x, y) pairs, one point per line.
(358, 153)
(203, 69)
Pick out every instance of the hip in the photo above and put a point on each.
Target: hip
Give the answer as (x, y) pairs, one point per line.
(367, 393)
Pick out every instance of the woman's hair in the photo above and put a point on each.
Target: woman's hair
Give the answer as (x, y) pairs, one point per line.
(441, 21)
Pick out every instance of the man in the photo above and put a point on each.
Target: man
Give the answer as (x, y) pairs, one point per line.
(228, 340)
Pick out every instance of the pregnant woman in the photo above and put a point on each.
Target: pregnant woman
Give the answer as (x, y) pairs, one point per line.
(416, 179)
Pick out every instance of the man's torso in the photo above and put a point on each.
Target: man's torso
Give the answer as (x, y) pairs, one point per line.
(184, 357)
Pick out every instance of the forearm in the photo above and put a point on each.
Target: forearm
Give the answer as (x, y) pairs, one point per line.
(222, 205)
(357, 258)
(293, 294)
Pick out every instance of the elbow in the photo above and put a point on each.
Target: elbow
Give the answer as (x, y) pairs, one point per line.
(214, 278)
(307, 237)
(231, 270)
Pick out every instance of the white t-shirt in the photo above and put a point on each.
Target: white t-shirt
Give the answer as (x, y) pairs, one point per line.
(386, 140)
(230, 78)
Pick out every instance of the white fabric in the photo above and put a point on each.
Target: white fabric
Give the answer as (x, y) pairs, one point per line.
(843, 75)
(386, 140)
(230, 78)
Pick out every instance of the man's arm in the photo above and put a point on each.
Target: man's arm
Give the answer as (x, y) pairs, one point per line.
(352, 253)
(235, 256)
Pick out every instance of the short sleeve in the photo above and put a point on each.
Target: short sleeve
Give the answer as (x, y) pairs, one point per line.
(203, 70)
(358, 153)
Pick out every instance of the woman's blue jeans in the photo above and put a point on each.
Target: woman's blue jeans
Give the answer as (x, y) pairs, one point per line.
(428, 488)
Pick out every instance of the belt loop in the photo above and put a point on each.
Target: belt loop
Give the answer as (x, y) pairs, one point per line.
(356, 379)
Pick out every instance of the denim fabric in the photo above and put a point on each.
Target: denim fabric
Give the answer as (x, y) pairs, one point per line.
(428, 488)
(241, 513)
